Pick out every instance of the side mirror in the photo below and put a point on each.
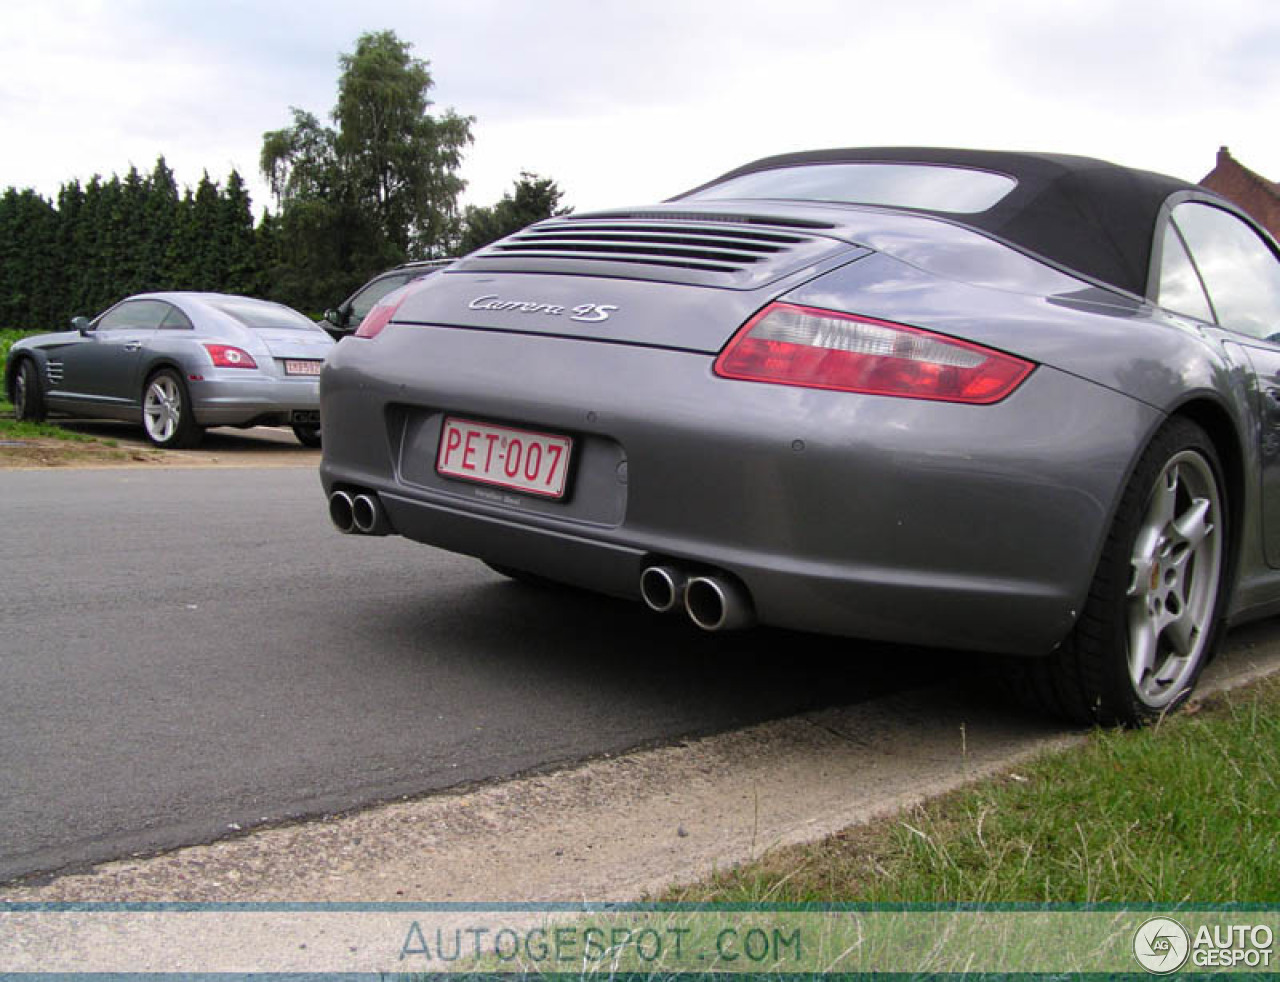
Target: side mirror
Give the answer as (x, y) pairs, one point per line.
(82, 325)
(339, 317)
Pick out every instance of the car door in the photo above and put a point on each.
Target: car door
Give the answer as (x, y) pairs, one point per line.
(101, 373)
(1239, 272)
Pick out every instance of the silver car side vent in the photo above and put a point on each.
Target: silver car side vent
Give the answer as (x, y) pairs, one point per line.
(717, 250)
(53, 372)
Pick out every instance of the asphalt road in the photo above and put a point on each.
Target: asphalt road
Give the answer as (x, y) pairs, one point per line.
(188, 651)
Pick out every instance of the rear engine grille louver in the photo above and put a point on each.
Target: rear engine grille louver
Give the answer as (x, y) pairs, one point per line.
(711, 249)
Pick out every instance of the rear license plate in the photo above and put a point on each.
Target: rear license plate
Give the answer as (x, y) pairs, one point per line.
(299, 366)
(505, 457)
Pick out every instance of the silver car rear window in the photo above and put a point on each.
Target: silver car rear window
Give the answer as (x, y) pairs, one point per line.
(931, 187)
(261, 315)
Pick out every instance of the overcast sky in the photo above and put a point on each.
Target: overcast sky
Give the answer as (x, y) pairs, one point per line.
(631, 101)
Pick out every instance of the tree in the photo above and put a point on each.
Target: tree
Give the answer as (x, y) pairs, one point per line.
(300, 162)
(161, 225)
(376, 190)
(532, 199)
(28, 261)
(400, 161)
(240, 272)
(200, 253)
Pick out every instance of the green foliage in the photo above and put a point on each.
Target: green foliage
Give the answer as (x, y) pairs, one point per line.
(1186, 811)
(12, 429)
(6, 342)
(111, 238)
(376, 190)
(30, 260)
(532, 199)
(300, 162)
(400, 162)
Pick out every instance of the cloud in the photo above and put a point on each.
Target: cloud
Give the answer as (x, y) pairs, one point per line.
(621, 101)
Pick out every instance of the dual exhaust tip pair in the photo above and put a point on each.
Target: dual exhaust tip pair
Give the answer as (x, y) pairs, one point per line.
(358, 513)
(712, 601)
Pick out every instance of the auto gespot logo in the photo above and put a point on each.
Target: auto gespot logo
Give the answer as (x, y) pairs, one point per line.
(1162, 946)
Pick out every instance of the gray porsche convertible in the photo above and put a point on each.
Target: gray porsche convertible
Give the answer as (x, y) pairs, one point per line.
(1025, 405)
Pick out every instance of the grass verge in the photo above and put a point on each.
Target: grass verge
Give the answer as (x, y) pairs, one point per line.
(13, 429)
(47, 444)
(1186, 811)
(7, 337)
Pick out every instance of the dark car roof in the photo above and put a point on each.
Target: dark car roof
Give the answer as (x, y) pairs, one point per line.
(1089, 215)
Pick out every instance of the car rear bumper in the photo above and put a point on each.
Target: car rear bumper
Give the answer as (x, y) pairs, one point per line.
(261, 401)
(894, 519)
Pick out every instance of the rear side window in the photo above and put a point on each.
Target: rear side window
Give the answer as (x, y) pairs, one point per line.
(261, 315)
(1240, 272)
(1180, 287)
(176, 320)
(931, 187)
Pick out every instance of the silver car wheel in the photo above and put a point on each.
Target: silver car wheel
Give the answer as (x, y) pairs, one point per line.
(1176, 568)
(162, 408)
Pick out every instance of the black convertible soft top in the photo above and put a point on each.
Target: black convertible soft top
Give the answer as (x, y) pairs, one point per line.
(1089, 215)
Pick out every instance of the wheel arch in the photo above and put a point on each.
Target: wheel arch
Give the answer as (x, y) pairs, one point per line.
(160, 364)
(10, 373)
(153, 368)
(14, 364)
(1223, 431)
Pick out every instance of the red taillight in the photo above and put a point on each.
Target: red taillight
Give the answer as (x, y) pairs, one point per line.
(822, 349)
(226, 356)
(379, 316)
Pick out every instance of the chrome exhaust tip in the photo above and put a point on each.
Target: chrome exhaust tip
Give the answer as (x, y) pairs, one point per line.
(368, 515)
(716, 603)
(340, 512)
(662, 587)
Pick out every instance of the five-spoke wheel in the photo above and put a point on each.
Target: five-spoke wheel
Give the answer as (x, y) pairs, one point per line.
(1177, 566)
(166, 411)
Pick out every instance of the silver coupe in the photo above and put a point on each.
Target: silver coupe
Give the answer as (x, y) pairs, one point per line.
(1024, 405)
(177, 363)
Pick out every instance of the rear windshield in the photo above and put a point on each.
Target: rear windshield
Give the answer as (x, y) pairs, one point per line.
(262, 315)
(930, 187)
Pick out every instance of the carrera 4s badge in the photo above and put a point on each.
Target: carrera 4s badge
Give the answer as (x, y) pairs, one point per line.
(589, 312)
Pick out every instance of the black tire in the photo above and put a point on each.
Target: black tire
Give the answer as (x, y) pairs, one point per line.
(308, 434)
(167, 416)
(1156, 604)
(28, 396)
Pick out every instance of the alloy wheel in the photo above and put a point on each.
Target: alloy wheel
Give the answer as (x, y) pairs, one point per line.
(1176, 567)
(162, 408)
